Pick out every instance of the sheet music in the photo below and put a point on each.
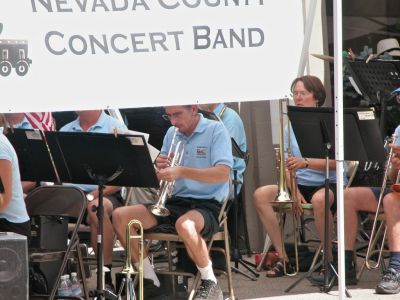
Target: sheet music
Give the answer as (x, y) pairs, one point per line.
(152, 150)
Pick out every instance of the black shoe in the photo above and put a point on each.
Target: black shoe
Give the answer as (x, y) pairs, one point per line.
(390, 283)
(208, 289)
(351, 276)
(151, 292)
(319, 279)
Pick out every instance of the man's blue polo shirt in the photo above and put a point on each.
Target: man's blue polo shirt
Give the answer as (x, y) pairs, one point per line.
(209, 145)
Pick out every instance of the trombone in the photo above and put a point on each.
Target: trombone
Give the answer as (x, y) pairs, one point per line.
(175, 155)
(283, 196)
(128, 268)
(376, 230)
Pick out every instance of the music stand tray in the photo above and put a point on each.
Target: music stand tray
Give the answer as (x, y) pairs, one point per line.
(104, 154)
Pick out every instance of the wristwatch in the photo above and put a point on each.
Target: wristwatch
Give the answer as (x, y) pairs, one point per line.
(89, 197)
(306, 161)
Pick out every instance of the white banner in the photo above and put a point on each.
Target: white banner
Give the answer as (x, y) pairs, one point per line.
(84, 54)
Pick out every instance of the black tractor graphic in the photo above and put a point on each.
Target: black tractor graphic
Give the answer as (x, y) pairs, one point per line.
(13, 54)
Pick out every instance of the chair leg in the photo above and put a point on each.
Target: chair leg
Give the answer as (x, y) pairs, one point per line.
(228, 261)
(82, 272)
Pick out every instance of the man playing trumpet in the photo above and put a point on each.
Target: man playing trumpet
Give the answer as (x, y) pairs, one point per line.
(358, 199)
(201, 185)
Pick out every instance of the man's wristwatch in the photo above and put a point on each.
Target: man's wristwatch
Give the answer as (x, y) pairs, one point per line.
(89, 197)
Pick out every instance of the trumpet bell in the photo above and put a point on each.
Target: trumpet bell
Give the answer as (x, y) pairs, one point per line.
(159, 210)
(283, 197)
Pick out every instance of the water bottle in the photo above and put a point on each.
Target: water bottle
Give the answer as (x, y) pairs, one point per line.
(76, 285)
(64, 289)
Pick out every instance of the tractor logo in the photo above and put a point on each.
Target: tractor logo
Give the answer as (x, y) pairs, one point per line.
(13, 54)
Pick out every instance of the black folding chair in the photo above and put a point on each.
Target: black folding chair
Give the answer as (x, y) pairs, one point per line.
(63, 202)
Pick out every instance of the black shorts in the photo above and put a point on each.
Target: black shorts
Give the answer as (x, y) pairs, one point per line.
(116, 200)
(309, 191)
(20, 228)
(209, 209)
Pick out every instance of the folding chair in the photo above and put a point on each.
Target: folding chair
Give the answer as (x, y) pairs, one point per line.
(222, 235)
(63, 202)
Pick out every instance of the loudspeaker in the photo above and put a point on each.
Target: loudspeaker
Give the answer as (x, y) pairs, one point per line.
(13, 266)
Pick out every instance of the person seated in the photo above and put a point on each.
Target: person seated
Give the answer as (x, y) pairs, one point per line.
(365, 199)
(201, 186)
(97, 121)
(308, 91)
(13, 214)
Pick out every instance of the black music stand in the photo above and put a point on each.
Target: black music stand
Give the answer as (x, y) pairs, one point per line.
(315, 134)
(35, 161)
(376, 80)
(103, 159)
(236, 255)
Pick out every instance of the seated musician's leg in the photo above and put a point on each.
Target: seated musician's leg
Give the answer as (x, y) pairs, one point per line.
(356, 199)
(262, 198)
(191, 227)
(318, 202)
(390, 283)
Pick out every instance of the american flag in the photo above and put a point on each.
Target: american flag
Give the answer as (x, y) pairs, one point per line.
(41, 120)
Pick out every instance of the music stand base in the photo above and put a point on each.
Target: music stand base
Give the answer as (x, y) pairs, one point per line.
(323, 288)
(246, 264)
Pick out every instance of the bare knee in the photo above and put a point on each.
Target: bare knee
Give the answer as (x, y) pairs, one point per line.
(185, 227)
(264, 195)
(391, 203)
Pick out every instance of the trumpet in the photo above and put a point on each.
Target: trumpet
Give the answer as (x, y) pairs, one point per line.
(376, 230)
(128, 268)
(175, 155)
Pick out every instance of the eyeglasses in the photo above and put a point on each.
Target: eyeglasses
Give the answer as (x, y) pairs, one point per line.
(168, 117)
(302, 94)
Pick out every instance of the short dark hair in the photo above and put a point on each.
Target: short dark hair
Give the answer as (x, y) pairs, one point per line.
(312, 84)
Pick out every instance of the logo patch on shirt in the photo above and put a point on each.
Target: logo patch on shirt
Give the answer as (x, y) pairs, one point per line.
(201, 152)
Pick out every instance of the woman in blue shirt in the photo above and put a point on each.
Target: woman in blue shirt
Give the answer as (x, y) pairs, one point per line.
(13, 214)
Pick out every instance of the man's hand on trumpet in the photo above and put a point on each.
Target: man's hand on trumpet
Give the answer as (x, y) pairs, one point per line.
(164, 170)
(162, 162)
(169, 174)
